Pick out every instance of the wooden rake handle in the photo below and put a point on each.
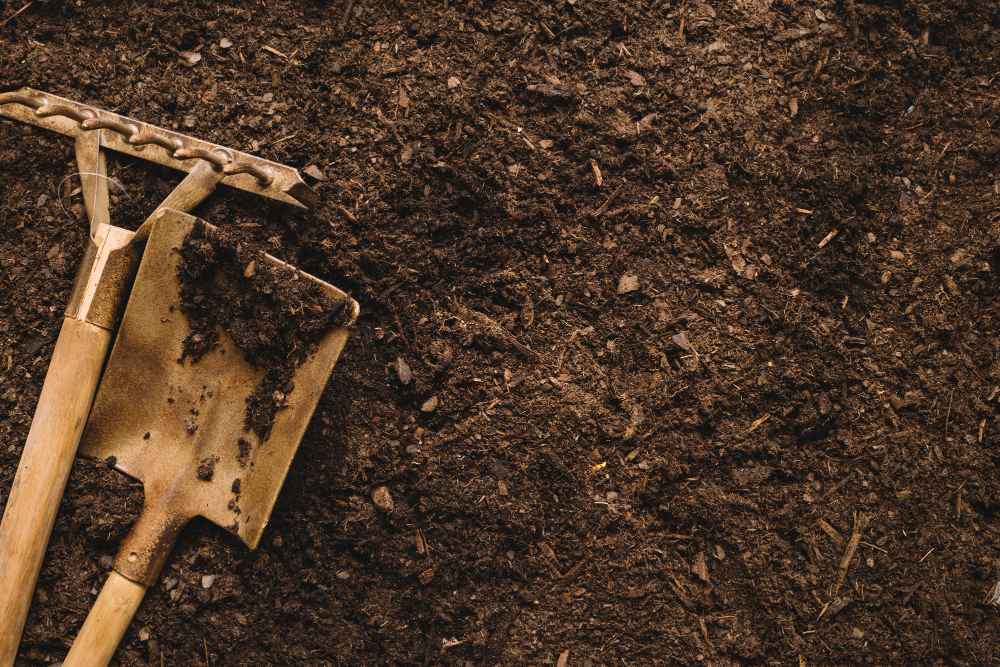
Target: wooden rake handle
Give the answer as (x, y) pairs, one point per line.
(45, 464)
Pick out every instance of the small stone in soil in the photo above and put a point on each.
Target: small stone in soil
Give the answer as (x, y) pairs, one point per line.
(207, 581)
(383, 499)
(403, 371)
(313, 170)
(628, 283)
(700, 567)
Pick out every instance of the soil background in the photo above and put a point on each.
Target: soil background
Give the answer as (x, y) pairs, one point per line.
(662, 303)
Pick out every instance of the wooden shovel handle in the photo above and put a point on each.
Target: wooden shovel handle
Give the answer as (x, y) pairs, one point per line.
(144, 550)
(48, 454)
(106, 624)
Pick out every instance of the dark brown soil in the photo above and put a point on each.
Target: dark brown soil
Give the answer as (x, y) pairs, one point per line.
(274, 316)
(660, 302)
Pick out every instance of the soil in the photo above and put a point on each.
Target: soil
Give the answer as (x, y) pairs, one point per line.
(679, 335)
(274, 316)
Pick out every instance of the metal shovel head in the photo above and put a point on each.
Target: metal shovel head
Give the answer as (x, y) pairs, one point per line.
(179, 427)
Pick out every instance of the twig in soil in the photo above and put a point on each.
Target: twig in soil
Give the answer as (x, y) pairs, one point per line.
(571, 573)
(274, 51)
(400, 325)
(555, 570)
(828, 238)
(597, 172)
(11, 17)
(757, 422)
(993, 597)
(495, 330)
(347, 214)
(947, 417)
(860, 523)
(421, 541)
(278, 141)
(575, 570)
(854, 20)
(346, 17)
(392, 288)
(392, 127)
(832, 532)
(604, 206)
(941, 155)
(876, 548)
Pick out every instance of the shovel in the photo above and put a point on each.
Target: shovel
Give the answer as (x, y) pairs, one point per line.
(181, 429)
(95, 305)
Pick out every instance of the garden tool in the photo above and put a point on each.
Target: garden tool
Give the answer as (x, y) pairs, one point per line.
(180, 429)
(95, 306)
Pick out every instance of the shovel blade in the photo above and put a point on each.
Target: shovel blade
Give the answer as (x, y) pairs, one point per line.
(179, 427)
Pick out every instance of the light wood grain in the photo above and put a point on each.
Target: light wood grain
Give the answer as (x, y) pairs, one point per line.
(92, 163)
(45, 464)
(106, 624)
(108, 239)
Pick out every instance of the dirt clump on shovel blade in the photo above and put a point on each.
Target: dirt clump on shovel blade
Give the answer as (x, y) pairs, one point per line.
(274, 315)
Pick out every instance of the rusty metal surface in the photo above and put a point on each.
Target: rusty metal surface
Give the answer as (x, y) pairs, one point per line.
(142, 140)
(161, 419)
(112, 291)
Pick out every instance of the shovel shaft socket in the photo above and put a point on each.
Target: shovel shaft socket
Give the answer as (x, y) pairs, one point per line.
(144, 552)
